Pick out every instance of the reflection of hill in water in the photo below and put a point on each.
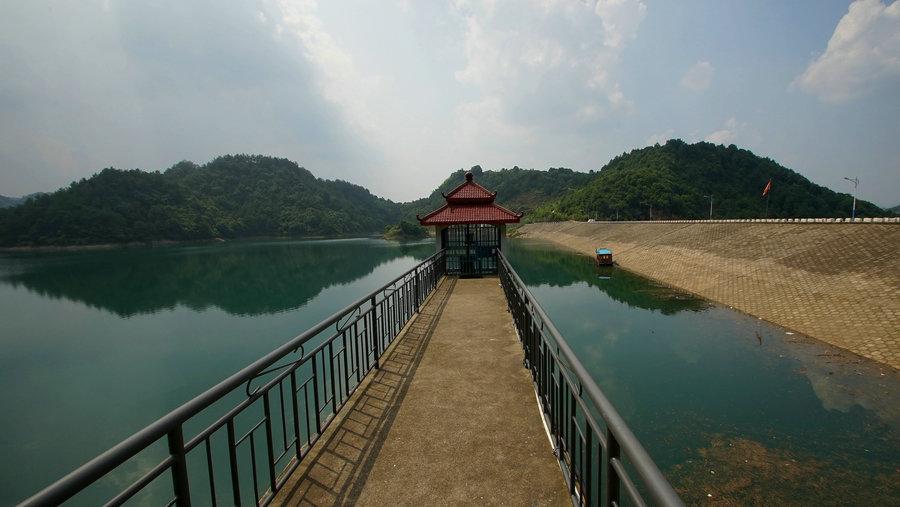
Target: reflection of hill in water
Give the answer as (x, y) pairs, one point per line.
(541, 264)
(242, 279)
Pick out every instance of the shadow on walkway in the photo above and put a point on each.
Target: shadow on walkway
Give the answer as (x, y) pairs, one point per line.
(335, 472)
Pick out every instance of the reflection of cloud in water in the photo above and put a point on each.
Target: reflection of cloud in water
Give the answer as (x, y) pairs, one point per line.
(611, 336)
(686, 350)
(842, 380)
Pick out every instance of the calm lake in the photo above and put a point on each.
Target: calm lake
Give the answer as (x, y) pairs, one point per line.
(95, 345)
(730, 407)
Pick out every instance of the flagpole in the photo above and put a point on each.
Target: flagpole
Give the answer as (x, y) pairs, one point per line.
(767, 205)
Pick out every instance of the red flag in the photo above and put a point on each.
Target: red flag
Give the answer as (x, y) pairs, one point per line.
(768, 187)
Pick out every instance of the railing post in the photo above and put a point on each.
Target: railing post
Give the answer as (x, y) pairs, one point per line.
(267, 412)
(586, 460)
(232, 460)
(612, 477)
(375, 332)
(416, 288)
(179, 467)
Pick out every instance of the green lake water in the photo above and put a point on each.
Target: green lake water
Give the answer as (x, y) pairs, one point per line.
(730, 407)
(95, 345)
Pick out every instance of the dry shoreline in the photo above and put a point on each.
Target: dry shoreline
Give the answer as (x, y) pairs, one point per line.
(837, 283)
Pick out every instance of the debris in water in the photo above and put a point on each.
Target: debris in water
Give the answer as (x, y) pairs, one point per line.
(746, 472)
(788, 332)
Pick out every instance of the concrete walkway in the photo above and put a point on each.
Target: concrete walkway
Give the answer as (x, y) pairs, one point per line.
(450, 418)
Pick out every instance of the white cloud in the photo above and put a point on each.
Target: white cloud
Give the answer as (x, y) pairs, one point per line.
(727, 134)
(620, 19)
(617, 99)
(540, 66)
(382, 112)
(481, 129)
(338, 77)
(863, 54)
(698, 77)
(135, 84)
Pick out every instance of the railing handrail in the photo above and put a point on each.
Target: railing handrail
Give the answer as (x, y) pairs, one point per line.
(69, 485)
(657, 484)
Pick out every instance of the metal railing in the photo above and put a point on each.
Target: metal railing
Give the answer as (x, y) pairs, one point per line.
(589, 436)
(288, 409)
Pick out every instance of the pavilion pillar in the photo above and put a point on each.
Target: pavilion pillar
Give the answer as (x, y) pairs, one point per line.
(438, 235)
(501, 229)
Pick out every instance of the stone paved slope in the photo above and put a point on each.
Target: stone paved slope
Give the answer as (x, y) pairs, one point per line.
(837, 282)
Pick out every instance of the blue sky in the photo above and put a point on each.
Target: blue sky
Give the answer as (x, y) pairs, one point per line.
(394, 94)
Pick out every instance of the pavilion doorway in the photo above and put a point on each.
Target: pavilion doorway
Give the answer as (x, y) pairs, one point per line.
(470, 249)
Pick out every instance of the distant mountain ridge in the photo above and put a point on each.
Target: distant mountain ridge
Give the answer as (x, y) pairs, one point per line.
(240, 196)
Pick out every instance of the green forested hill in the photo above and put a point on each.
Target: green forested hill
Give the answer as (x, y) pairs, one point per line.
(675, 177)
(251, 196)
(112, 206)
(232, 196)
(517, 189)
(267, 196)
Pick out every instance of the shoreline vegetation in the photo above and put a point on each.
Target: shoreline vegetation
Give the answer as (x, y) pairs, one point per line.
(167, 243)
(252, 196)
(405, 231)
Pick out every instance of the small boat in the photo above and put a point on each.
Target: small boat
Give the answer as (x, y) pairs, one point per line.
(604, 257)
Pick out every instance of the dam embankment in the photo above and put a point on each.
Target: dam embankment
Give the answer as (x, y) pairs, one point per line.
(836, 282)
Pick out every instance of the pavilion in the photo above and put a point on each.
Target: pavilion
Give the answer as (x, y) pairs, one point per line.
(470, 226)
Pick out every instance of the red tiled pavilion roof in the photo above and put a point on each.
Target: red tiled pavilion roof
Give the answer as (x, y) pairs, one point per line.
(470, 203)
(489, 213)
(469, 191)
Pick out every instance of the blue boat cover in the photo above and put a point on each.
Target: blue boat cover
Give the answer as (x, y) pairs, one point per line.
(604, 251)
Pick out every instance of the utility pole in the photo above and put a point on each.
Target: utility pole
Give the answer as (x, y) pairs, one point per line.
(710, 205)
(855, 182)
(651, 209)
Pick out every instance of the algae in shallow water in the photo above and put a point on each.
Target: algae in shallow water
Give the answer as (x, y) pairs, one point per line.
(741, 471)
